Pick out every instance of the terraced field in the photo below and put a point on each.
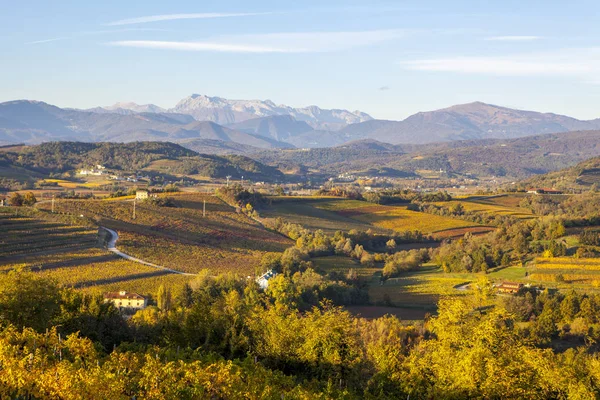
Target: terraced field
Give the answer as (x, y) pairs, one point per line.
(332, 214)
(180, 237)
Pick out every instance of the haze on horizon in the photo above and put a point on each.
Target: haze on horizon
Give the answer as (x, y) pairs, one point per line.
(389, 59)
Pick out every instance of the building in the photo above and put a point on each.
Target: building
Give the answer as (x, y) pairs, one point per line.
(141, 194)
(544, 191)
(263, 280)
(509, 287)
(126, 301)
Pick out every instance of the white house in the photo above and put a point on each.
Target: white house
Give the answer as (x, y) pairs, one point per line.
(141, 194)
(126, 300)
(263, 280)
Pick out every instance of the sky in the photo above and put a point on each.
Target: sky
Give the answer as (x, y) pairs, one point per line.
(387, 58)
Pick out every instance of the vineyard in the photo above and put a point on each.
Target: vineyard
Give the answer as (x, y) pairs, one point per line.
(180, 237)
(567, 270)
(70, 255)
(397, 218)
(23, 235)
(306, 212)
(499, 205)
(331, 214)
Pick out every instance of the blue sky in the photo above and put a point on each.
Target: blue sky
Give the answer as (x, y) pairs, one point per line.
(387, 58)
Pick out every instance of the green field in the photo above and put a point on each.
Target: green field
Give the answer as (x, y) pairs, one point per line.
(420, 289)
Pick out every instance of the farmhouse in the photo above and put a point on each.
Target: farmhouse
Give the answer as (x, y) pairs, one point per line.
(509, 287)
(543, 191)
(125, 300)
(141, 194)
(263, 280)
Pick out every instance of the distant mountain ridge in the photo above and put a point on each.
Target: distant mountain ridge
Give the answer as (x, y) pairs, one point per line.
(466, 121)
(224, 111)
(35, 122)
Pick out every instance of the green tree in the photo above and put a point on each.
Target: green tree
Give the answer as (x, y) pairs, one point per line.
(15, 200)
(29, 199)
(27, 299)
(163, 298)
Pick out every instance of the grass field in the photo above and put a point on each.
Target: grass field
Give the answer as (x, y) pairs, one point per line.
(339, 214)
(420, 289)
(180, 237)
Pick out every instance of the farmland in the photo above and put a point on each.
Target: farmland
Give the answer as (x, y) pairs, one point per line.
(331, 214)
(501, 205)
(222, 241)
(70, 255)
(567, 271)
(417, 290)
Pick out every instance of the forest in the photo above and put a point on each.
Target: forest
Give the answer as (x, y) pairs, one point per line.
(223, 338)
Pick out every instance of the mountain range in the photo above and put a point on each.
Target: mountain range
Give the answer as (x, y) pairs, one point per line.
(224, 111)
(237, 126)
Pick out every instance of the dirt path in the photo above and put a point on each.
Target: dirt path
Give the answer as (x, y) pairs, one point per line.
(111, 246)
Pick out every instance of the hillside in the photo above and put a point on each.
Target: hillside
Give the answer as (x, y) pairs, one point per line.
(279, 127)
(583, 176)
(467, 121)
(161, 157)
(521, 157)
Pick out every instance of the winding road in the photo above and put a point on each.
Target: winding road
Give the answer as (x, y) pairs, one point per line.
(112, 246)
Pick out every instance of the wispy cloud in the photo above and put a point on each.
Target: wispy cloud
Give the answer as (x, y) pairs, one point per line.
(581, 63)
(384, 88)
(101, 32)
(305, 42)
(170, 17)
(513, 38)
(199, 46)
(47, 40)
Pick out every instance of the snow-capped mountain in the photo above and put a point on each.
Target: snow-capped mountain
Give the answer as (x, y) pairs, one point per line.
(225, 111)
(127, 108)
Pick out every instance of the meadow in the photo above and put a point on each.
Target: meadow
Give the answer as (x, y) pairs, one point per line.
(420, 289)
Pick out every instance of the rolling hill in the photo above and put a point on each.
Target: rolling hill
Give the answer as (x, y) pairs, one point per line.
(521, 157)
(54, 158)
(583, 176)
